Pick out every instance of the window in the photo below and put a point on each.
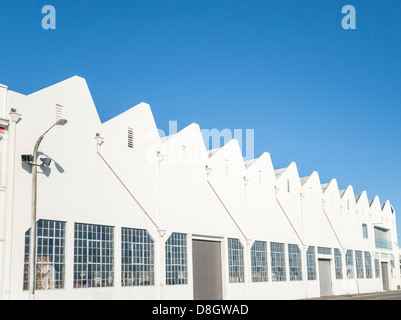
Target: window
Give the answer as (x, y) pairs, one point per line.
(176, 259)
(365, 230)
(277, 251)
(349, 260)
(359, 265)
(382, 238)
(130, 138)
(259, 262)
(235, 261)
(368, 265)
(325, 251)
(93, 256)
(377, 265)
(311, 263)
(338, 264)
(295, 262)
(392, 264)
(288, 186)
(137, 258)
(50, 255)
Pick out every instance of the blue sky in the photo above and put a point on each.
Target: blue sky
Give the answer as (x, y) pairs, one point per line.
(327, 98)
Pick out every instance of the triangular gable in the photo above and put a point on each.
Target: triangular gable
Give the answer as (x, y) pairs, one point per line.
(185, 147)
(261, 167)
(362, 205)
(313, 215)
(229, 156)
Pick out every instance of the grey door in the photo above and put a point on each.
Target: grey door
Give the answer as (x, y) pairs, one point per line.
(385, 276)
(325, 278)
(206, 258)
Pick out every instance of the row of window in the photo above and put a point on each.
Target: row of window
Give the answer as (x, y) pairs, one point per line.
(363, 262)
(94, 258)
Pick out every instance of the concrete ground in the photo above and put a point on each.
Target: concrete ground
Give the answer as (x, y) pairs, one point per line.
(387, 295)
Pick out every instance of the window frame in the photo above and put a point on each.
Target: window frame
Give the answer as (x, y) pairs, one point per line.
(176, 259)
(278, 262)
(236, 268)
(259, 263)
(52, 233)
(311, 263)
(137, 258)
(93, 256)
(295, 262)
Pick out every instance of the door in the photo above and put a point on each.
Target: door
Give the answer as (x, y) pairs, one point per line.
(325, 278)
(206, 258)
(385, 276)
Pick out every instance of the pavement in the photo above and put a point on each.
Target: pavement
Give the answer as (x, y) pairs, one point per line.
(387, 295)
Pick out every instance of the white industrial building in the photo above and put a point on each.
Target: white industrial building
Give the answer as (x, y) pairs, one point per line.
(125, 214)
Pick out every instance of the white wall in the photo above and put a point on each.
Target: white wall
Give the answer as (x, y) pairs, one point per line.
(115, 185)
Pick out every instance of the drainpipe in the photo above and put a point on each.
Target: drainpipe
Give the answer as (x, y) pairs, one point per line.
(6, 232)
(288, 219)
(304, 248)
(248, 245)
(208, 170)
(331, 226)
(99, 142)
(161, 232)
(247, 241)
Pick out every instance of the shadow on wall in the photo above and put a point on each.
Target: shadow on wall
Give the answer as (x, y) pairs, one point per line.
(46, 170)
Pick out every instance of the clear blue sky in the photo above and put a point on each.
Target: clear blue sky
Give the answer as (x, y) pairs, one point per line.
(326, 98)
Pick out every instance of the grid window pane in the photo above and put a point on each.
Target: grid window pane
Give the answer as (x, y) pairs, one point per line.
(368, 265)
(349, 260)
(259, 262)
(377, 265)
(93, 256)
(176, 259)
(383, 238)
(392, 264)
(311, 263)
(235, 261)
(50, 255)
(137, 258)
(365, 230)
(277, 252)
(295, 262)
(338, 264)
(359, 265)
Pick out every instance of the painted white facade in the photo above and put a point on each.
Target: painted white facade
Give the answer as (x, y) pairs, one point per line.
(169, 185)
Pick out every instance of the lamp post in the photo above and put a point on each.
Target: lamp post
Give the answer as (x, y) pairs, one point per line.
(32, 253)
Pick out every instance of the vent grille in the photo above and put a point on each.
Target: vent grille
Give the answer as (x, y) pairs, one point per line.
(59, 112)
(130, 138)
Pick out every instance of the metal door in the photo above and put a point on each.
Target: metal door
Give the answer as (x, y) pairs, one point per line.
(206, 258)
(325, 278)
(385, 276)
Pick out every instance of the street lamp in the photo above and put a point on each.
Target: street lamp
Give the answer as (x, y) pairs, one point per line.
(32, 253)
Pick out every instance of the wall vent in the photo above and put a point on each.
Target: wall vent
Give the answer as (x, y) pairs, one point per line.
(130, 138)
(59, 112)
